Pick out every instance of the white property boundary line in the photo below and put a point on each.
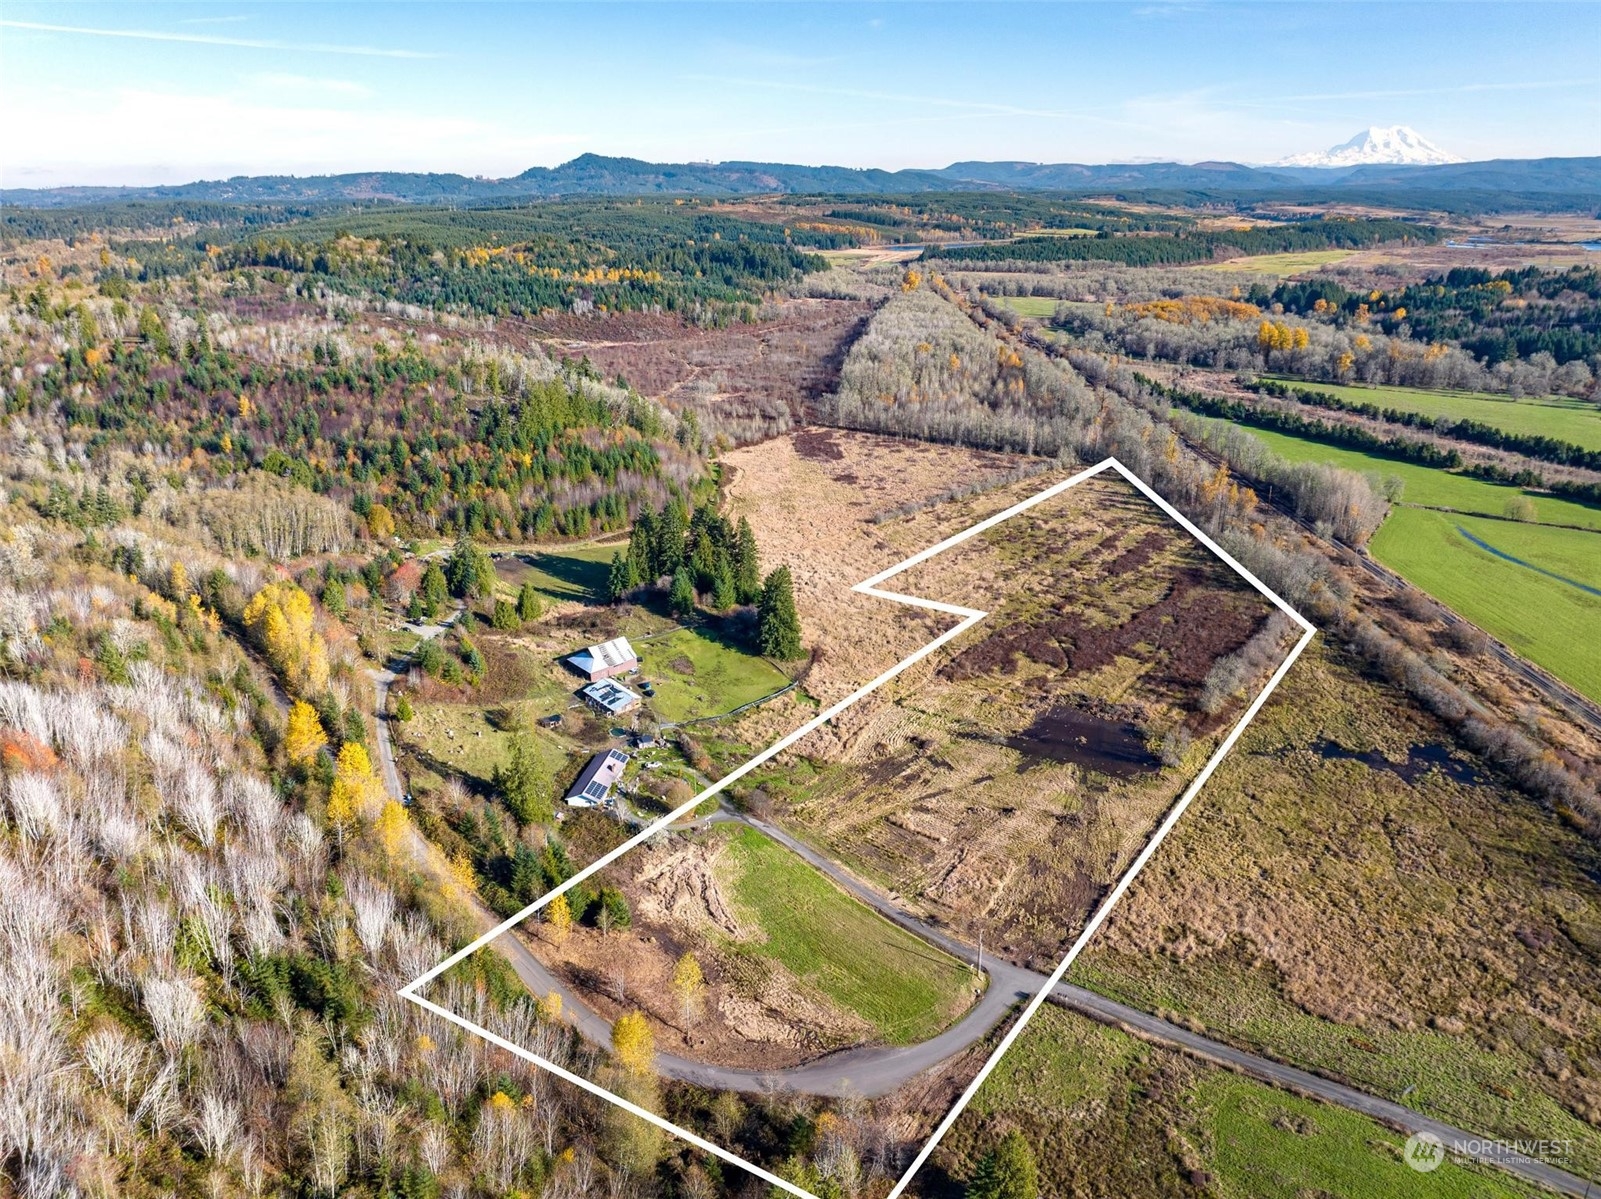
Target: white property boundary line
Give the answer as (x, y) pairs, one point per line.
(970, 617)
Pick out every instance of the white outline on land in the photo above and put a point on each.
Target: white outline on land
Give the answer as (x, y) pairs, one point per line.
(970, 617)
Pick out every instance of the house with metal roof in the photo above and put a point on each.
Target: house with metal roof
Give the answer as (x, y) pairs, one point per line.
(595, 781)
(605, 660)
(609, 697)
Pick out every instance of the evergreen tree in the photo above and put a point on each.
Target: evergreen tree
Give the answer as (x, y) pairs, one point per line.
(617, 587)
(528, 605)
(724, 594)
(747, 565)
(779, 623)
(470, 570)
(682, 597)
(670, 534)
(1007, 1171)
(433, 589)
(522, 789)
(642, 547)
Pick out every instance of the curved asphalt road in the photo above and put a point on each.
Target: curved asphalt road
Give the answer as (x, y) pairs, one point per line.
(877, 1070)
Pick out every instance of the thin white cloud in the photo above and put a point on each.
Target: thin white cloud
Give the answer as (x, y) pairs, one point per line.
(209, 39)
(306, 83)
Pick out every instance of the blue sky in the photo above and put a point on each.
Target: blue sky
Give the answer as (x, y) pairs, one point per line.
(147, 93)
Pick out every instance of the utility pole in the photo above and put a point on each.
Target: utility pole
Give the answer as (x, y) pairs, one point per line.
(981, 951)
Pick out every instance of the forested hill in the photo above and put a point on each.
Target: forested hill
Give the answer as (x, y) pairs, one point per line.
(1504, 181)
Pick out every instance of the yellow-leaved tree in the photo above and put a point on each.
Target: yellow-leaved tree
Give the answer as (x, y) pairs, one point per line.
(282, 620)
(393, 826)
(356, 788)
(689, 986)
(633, 1043)
(304, 736)
(559, 918)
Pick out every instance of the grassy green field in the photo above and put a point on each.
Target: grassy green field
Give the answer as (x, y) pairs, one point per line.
(460, 736)
(1548, 621)
(905, 988)
(1429, 487)
(1095, 1101)
(1038, 306)
(575, 572)
(1553, 416)
(697, 675)
(1280, 264)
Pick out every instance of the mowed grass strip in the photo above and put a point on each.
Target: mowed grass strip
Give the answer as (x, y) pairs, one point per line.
(1279, 264)
(908, 990)
(1038, 306)
(1427, 486)
(1553, 416)
(696, 675)
(1546, 620)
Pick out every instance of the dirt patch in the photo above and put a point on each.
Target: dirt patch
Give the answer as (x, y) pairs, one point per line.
(681, 886)
(818, 445)
(1065, 734)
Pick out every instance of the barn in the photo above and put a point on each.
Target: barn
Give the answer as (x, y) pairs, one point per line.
(605, 660)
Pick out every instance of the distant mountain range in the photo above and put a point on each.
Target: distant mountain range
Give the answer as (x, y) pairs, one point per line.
(1545, 179)
(1395, 145)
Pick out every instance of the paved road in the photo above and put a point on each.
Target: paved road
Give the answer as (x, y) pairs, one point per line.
(877, 1070)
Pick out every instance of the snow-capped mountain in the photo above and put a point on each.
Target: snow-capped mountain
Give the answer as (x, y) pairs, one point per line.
(1395, 145)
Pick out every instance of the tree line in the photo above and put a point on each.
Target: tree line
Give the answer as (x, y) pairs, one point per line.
(1532, 445)
(702, 558)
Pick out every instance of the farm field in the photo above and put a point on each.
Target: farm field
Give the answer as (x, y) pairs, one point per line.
(1553, 416)
(1000, 785)
(698, 673)
(1109, 1114)
(1429, 487)
(1283, 265)
(1334, 899)
(1550, 622)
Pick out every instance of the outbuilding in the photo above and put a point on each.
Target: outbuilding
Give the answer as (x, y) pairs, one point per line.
(609, 697)
(606, 660)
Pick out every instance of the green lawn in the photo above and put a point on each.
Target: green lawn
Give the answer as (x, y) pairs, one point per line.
(1427, 486)
(1547, 621)
(698, 675)
(577, 572)
(1553, 416)
(905, 988)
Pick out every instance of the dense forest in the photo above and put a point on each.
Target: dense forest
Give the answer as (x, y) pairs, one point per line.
(492, 443)
(1199, 245)
(1496, 316)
